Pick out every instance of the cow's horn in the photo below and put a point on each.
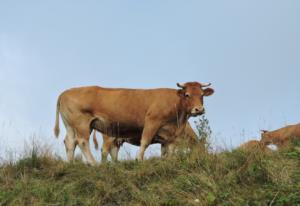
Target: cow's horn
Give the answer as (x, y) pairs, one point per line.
(205, 84)
(264, 131)
(180, 85)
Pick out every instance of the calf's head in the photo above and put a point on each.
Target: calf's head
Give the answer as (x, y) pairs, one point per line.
(192, 94)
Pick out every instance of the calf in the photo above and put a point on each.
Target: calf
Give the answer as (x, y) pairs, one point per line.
(112, 145)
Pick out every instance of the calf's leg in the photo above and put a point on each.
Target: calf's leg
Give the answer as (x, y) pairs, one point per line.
(114, 151)
(164, 151)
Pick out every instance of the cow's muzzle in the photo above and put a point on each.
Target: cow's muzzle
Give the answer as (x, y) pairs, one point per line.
(197, 111)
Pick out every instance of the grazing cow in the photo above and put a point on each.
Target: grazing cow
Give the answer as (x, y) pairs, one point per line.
(254, 145)
(141, 114)
(281, 137)
(112, 145)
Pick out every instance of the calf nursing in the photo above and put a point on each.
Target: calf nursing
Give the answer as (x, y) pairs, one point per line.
(111, 145)
(140, 114)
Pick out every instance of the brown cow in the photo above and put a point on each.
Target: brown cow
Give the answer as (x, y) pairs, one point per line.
(140, 114)
(281, 137)
(254, 145)
(112, 145)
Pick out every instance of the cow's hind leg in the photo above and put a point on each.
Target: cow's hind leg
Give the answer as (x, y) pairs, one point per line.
(82, 138)
(70, 140)
(83, 143)
(70, 144)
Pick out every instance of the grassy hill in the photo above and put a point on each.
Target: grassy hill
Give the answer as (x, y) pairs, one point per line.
(199, 178)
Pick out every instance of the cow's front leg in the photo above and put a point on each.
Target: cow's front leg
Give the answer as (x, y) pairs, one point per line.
(150, 129)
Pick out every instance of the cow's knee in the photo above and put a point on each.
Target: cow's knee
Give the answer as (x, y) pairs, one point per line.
(69, 143)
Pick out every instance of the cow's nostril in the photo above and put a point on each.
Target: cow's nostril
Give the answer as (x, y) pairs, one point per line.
(199, 110)
(202, 110)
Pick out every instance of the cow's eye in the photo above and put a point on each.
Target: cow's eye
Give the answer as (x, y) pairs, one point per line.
(187, 95)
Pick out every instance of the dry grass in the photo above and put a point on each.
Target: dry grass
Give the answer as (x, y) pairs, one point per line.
(197, 178)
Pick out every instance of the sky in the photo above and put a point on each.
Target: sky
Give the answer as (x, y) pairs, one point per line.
(249, 50)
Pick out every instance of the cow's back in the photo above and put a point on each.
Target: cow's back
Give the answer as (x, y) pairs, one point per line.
(127, 106)
(250, 145)
(296, 132)
(289, 131)
(132, 105)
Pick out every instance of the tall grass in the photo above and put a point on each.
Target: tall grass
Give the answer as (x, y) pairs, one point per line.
(198, 177)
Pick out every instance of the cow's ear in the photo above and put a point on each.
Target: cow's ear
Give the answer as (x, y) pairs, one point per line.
(208, 91)
(263, 131)
(180, 92)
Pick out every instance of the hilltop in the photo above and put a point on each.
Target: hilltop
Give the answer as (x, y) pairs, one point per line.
(197, 178)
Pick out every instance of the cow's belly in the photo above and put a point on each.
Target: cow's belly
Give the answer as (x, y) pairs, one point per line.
(166, 134)
(117, 129)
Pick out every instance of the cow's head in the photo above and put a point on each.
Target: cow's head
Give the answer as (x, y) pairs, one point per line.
(192, 94)
(266, 138)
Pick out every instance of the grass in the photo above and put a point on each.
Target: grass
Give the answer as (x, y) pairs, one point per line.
(198, 178)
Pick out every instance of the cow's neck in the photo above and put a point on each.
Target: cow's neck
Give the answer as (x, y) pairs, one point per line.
(181, 120)
(276, 134)
(181, 115)
(275, 137)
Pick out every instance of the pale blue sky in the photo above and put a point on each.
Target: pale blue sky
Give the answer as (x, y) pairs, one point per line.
(249, 50)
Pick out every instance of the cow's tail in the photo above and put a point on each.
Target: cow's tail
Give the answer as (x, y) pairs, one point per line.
(56, 128)
(95, 140)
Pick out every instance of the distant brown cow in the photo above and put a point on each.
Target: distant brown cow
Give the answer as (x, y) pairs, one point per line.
(254, 145)
(141, 114)
(280, 137)
(112, 145)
